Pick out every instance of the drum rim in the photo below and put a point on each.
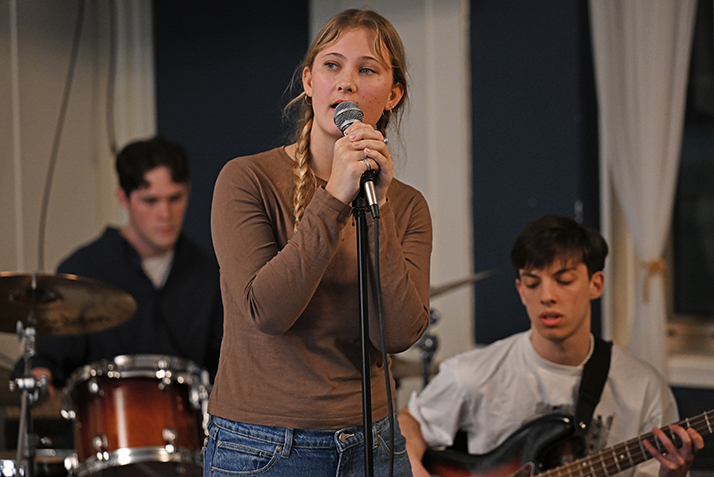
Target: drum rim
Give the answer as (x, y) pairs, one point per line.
(139, 365)
(138, 455)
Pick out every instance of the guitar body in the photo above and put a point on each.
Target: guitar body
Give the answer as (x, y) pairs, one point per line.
(539, 445)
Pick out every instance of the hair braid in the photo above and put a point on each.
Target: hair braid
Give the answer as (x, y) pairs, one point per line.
(304, 177)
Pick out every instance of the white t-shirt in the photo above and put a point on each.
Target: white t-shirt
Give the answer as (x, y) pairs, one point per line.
(158, 268)
(492, 392)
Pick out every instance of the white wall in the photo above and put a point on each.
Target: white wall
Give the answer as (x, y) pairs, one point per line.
(36, 38)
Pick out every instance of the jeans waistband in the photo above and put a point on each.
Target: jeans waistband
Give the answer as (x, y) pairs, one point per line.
(304, 438)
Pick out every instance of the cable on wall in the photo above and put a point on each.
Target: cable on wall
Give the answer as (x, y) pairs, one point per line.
(111, 79)
(58, 134)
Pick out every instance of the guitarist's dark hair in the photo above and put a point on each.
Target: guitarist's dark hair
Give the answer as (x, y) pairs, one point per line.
(553, 237)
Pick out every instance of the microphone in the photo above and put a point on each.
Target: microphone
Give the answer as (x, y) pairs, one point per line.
(347, 113)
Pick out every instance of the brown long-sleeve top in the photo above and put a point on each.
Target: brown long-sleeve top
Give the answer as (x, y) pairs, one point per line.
(291, 352)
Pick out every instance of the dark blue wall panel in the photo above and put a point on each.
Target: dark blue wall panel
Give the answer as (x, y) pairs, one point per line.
(222, 69)
(534, 138)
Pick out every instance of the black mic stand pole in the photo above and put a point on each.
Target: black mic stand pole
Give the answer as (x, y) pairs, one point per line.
(359, 209)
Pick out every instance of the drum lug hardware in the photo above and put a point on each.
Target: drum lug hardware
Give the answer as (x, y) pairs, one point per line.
(99, 442)
(71, 464)
(195, 398)
(95, 387)
(165, 376)
(67, 411)
(169, 435)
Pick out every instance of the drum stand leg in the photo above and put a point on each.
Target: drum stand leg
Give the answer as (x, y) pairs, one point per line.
(31, 389)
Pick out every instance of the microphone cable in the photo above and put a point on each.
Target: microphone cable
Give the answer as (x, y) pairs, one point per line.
(111, 79)
(387, 380)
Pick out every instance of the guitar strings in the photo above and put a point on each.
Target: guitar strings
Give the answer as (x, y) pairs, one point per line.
(629, 453)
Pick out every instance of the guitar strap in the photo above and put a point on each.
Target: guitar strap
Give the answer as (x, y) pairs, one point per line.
(593, 381)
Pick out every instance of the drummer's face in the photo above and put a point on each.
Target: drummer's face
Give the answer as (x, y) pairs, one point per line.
(155, 213)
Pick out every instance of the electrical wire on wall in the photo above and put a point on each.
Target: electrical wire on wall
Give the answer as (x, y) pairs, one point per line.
(383, 345)
(111, 135)
(58, 134)
(111, 79)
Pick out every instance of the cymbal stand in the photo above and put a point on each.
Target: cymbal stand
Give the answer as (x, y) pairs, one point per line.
(31, 389)
(428, 344)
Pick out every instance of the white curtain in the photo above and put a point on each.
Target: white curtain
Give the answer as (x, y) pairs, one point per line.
(641, 53)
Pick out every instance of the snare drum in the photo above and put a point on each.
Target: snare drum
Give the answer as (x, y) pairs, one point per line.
(138, 415)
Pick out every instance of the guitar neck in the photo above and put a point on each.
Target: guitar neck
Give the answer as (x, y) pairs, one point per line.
(628, 454)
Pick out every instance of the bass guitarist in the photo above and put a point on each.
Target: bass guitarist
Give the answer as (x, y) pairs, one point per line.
(492, 392)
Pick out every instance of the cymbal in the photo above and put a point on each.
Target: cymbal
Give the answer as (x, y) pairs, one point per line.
(435, 291)
(64, 304)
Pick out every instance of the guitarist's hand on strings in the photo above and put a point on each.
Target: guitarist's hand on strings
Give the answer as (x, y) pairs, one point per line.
(676, 461)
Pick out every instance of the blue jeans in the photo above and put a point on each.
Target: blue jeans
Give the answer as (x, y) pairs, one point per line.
(234, 448)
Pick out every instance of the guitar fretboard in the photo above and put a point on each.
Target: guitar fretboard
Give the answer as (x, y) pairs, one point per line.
(628, 454)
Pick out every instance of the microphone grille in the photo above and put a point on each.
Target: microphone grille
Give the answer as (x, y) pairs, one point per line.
(347, 113)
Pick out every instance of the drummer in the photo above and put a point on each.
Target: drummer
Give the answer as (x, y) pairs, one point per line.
(175, 282)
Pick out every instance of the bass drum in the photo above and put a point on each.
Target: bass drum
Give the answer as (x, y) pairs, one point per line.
(138, 415)
(48, 463)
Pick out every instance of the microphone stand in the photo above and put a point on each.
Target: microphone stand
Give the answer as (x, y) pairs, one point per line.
(359, 206)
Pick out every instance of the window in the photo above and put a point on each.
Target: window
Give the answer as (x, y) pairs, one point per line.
(692, 274)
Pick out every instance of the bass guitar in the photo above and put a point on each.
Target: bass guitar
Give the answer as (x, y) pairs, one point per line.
(531, 450)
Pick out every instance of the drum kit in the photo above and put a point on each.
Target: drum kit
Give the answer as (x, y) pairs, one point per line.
(133, 415)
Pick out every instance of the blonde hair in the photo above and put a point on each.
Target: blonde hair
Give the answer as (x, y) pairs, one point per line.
(387, 45)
